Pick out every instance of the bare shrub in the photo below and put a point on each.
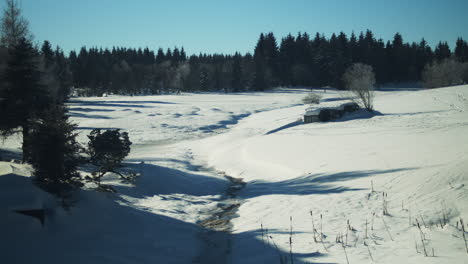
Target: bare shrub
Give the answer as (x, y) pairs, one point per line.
(312, 98)
(359, 79)
(445, 73)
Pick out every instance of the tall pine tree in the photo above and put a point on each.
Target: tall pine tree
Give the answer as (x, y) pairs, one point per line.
(259, 82)
(54, 154)
(236, 81)
(23, 96)
(461, 50)
(442, 51)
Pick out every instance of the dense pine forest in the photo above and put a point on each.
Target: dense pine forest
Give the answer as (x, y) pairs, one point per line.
(299, 60)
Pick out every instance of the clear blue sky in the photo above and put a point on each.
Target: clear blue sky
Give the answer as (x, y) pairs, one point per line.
(227, 26)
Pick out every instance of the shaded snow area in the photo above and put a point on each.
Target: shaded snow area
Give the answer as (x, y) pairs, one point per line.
(363, 183)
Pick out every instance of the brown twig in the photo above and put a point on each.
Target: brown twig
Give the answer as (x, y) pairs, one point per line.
(422, 237)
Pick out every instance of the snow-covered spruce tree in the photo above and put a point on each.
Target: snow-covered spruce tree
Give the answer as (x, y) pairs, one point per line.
(55, 152)
(107, 150)
(359, 79)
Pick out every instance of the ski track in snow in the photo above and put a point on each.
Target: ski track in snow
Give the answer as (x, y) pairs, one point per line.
(414, 151)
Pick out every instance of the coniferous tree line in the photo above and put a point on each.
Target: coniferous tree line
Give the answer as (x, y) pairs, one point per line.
(299, 60)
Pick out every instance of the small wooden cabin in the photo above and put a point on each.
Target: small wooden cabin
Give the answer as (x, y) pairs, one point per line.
(311, 116)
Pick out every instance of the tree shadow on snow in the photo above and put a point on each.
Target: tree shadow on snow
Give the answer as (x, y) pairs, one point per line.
(292, 124)
(416, 113)
(126, 104)
(310, 184)
(157, 180)
(103, 228)
(223, 124)
(81, 109)
(334, 99)
(262, 93)
(185, 163)
(255, 247)
(99, 229)
(136, 101)
(102, 128)
(81, 115)
(8, 154)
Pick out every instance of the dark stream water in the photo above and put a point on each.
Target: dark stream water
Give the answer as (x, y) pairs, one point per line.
(216, 235)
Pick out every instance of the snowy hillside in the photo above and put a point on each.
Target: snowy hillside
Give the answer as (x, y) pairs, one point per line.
(416, 152)
(411, 159)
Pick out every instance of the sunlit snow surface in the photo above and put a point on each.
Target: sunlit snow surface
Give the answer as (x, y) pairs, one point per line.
(415, 149)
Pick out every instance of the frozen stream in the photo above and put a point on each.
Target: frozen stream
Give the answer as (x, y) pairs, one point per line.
(216, 233)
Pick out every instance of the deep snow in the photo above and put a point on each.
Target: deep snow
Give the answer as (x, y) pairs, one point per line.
(415, 151)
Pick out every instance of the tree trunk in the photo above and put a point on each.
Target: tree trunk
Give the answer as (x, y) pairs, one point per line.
(26, 143)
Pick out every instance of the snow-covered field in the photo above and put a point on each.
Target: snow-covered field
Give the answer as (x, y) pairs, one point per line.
(412, 158)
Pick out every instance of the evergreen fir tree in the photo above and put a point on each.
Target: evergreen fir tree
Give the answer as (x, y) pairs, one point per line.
(47, 54)
(442, 51)
(160, 57)
(183, 56)
(81, 75)
(423, 57)
(461, 50)
(176, 55)
(24, 98)
(218, 77)
(380, 63)
(337, 61)
(73, 63)
(286, 60)
(236, 82)
(259, 82)
(148, 57)
(63, 75)
(55, 152)
(48, 68)
(353, 48)
(168, 55)
(397, 58)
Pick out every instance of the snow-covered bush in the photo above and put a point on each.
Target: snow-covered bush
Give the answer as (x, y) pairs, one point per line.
(359, 79)
(312, 98)
(444, 73)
